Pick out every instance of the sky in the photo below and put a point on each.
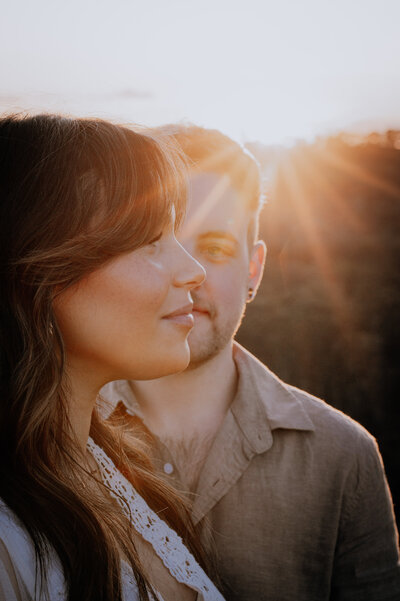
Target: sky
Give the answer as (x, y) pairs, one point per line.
(260, 70)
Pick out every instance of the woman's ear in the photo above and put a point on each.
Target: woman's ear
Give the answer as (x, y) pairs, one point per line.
(256, 267)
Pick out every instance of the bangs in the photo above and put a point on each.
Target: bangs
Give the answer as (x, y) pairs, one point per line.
(130, 188)
(116, 191)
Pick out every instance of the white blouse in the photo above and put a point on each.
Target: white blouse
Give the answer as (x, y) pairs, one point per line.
(20, 581)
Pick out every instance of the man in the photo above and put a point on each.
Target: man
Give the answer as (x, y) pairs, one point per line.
(292, 490)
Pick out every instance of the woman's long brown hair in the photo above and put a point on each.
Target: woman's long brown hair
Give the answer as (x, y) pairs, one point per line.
(74, 193)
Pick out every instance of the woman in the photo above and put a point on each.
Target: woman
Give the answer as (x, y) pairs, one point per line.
(94, 287)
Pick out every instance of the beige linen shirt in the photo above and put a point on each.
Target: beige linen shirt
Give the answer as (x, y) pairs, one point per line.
(295, 495)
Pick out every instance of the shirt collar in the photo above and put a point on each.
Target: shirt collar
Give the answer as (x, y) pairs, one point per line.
(262, 403)
(114, 392)
(273, 405)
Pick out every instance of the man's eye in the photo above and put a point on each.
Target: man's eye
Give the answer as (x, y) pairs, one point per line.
(217, 252)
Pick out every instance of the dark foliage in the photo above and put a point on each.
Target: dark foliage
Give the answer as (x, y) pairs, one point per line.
(326, 318)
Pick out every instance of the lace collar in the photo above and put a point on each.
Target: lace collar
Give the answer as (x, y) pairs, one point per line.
(166, 543)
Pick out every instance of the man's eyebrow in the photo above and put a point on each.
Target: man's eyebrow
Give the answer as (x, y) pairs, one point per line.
(217, 234)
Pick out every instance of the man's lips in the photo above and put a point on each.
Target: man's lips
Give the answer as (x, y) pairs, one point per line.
(201, 310)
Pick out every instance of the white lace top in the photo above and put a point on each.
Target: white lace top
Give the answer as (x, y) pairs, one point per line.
(18, 580)
(165, 541)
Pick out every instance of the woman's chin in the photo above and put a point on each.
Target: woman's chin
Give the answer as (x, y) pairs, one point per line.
(175, 361)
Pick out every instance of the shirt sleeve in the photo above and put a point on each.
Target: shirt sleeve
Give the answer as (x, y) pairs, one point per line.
(367, 553)
(9, 587)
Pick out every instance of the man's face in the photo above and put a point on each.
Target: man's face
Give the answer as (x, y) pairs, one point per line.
(215, 232)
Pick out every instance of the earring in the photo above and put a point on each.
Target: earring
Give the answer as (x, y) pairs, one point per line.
(250, 294)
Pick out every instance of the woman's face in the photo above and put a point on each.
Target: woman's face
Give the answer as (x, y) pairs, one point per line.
(130, 318)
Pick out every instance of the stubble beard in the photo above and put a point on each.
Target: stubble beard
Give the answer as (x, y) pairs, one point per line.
(211, 338)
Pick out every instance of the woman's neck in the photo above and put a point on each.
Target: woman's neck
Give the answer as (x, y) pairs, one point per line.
(83, 385)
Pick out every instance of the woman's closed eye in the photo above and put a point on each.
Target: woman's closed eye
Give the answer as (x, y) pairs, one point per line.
(154, 243)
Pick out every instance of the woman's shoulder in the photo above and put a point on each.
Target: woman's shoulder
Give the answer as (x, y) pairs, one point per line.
(21, 560)
(17, 556)
(19, 569)
(12, 532)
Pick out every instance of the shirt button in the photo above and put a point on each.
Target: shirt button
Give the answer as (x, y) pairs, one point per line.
(168, 468)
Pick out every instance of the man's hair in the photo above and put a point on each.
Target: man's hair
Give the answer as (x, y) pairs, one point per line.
(211, 150)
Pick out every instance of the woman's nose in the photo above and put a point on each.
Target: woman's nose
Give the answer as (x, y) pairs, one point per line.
(190, 273)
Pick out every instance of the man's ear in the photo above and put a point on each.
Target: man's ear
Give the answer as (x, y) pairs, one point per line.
(256, 267)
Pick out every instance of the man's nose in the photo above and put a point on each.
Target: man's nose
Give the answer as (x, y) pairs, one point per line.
(190, 273)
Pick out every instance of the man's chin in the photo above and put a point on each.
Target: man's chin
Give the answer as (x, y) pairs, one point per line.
(206, 341)
(202, 350)
(201, 353)
(200, 359)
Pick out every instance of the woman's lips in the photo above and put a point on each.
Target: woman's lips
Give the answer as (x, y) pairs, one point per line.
(185, 319)
(182, 316)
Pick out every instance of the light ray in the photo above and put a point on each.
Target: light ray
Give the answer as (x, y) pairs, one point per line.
(361, 174)
(349, 216)
(205, 208)
(307, 221)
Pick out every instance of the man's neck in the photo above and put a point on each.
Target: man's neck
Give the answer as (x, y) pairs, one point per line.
(191, 403)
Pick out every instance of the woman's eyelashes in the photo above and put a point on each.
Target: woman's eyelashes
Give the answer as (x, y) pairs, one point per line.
(154, 243)
(156, 239)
